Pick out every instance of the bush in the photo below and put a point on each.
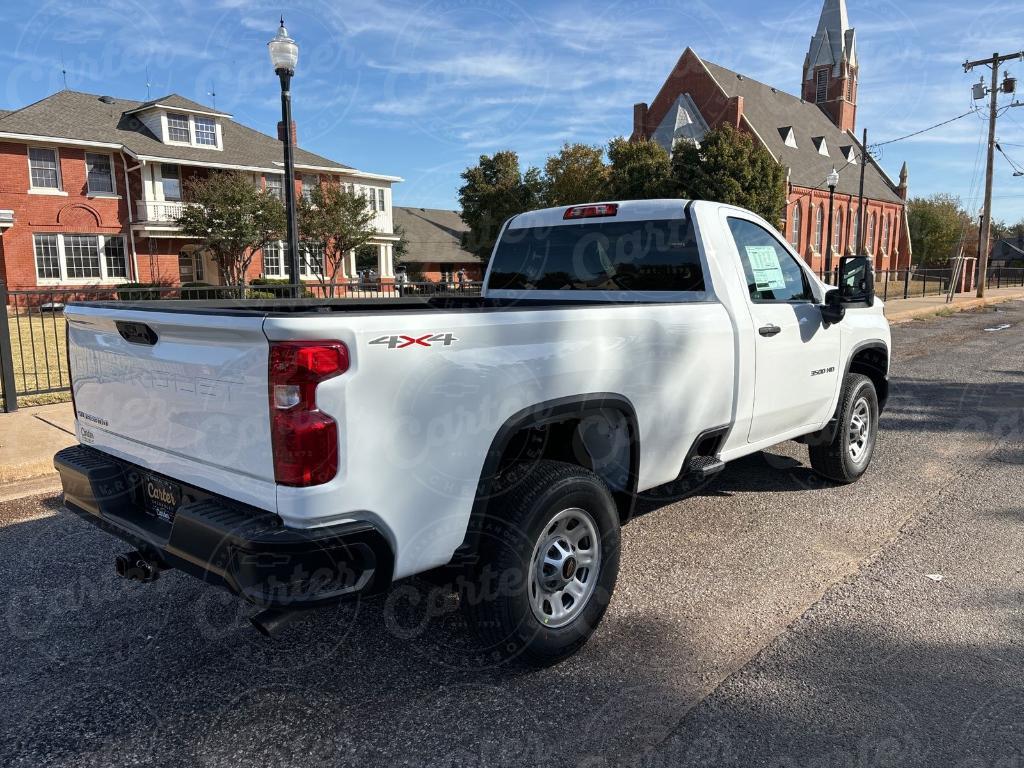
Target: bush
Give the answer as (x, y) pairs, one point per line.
(139, 291)
(278, 289)
(251, 294)
(205, 291)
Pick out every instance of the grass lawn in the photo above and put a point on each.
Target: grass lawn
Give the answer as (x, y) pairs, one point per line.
(40, 356)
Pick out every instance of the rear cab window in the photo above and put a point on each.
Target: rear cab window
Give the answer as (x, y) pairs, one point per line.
(600, 255)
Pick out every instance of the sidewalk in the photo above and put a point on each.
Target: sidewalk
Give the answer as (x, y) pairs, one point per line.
(905, 310)
(28, 439)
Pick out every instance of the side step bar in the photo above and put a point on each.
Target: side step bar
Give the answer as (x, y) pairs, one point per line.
(703, 467)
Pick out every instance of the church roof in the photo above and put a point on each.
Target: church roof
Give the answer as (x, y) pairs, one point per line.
(770, 112)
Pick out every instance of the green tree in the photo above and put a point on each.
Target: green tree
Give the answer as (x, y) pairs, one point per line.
(936, 224)
(730, 167)
(639, 170)
(495, 189)
(577, 174)
(400, 249)
(233, 219)
(341, 221)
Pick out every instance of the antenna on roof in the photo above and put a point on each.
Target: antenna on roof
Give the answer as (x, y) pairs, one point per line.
(212, 93)
(148, 84)
(63, 70)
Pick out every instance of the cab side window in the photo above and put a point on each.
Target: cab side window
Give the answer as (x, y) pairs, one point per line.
(772, 272)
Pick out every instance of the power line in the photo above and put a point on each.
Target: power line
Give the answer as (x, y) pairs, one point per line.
(1018, 171)
(971, 111)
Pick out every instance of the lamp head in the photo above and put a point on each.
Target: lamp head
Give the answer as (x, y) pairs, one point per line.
(833, 178)
(284, 52)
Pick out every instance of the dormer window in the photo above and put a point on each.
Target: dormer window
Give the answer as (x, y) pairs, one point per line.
(206, 131)
(177, 128)
(788, 136)
(820, 145)
(194, 130)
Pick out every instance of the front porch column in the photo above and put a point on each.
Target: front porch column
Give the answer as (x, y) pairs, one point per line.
(384, 266)
(350, 267)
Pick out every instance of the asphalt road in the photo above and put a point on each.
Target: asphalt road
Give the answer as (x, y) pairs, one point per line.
(770, 620)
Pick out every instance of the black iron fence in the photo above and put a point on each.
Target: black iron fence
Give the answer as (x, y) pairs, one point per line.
(33, 332)
(894, 284)
(33, 351)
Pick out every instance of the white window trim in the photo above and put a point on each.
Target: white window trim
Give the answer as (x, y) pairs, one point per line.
(306, 272)
(32, 190)
(103, 279)
(113, 178)
(165, 126)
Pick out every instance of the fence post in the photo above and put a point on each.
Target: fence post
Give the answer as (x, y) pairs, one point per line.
(906, 284)
(6, 356)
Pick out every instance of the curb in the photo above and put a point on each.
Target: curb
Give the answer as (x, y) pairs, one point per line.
(28, 471)
(956, 307)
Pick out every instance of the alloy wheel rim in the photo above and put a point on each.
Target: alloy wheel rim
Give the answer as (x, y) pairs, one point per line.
(859, 432)
(564, 567)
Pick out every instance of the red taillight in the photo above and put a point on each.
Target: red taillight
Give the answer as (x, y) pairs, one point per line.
(591, 211)
(304, 439)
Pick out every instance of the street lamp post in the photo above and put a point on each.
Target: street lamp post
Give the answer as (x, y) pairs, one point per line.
(284, 55)
(833, 182)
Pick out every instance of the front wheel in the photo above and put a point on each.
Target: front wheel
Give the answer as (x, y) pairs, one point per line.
(549, 557)
(847, 457)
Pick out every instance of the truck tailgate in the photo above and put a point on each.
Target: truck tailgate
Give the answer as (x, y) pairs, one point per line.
(181, 393)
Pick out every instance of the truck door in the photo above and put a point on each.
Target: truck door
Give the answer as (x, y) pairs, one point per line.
(796, 356)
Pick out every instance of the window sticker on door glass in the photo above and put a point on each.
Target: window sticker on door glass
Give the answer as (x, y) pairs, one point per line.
(764, 263)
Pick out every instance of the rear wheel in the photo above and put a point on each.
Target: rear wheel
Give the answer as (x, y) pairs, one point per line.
(847, 457)
(549, 562)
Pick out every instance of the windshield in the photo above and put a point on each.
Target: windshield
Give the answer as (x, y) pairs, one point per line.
(599, 256)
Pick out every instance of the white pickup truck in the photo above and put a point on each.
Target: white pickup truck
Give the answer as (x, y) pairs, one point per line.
(301, 451)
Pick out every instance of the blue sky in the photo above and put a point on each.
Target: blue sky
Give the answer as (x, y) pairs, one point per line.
(421, 89)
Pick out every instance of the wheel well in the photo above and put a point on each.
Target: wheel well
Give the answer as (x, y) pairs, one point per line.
(598, 441)
(873, 362)
(598, 433)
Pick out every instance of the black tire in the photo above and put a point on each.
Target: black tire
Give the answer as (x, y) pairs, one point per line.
(496, 599)
(836, 461)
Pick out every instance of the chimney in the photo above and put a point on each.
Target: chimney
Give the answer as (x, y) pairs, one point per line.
(734, 111)
(639, 121)
(280, 132)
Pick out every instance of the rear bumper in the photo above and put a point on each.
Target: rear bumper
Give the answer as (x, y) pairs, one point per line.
(247, 550)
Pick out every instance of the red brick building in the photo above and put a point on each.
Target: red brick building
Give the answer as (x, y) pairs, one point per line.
(90, 187)
(809, 136)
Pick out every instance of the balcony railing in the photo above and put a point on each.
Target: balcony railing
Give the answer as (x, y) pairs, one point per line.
(159, 211)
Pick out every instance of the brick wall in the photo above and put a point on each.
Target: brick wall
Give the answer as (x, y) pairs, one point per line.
(891, 253)
(74, 212)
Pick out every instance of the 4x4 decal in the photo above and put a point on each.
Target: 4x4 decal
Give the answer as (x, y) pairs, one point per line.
(427, 340)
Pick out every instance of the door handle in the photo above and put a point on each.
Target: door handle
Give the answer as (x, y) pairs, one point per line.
(769, 330)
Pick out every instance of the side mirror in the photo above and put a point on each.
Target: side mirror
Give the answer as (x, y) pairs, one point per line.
(856, 280)
(833, 311)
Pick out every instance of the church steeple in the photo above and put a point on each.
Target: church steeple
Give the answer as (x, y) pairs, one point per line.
(831, 68)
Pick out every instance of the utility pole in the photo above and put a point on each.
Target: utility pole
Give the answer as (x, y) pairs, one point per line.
(986, 227)
(861, 218)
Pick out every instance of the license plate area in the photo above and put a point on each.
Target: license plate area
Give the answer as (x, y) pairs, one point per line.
(160, 498)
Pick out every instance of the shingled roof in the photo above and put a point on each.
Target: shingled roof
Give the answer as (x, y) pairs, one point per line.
(433, 235)
(87, 117)
(769, 111)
